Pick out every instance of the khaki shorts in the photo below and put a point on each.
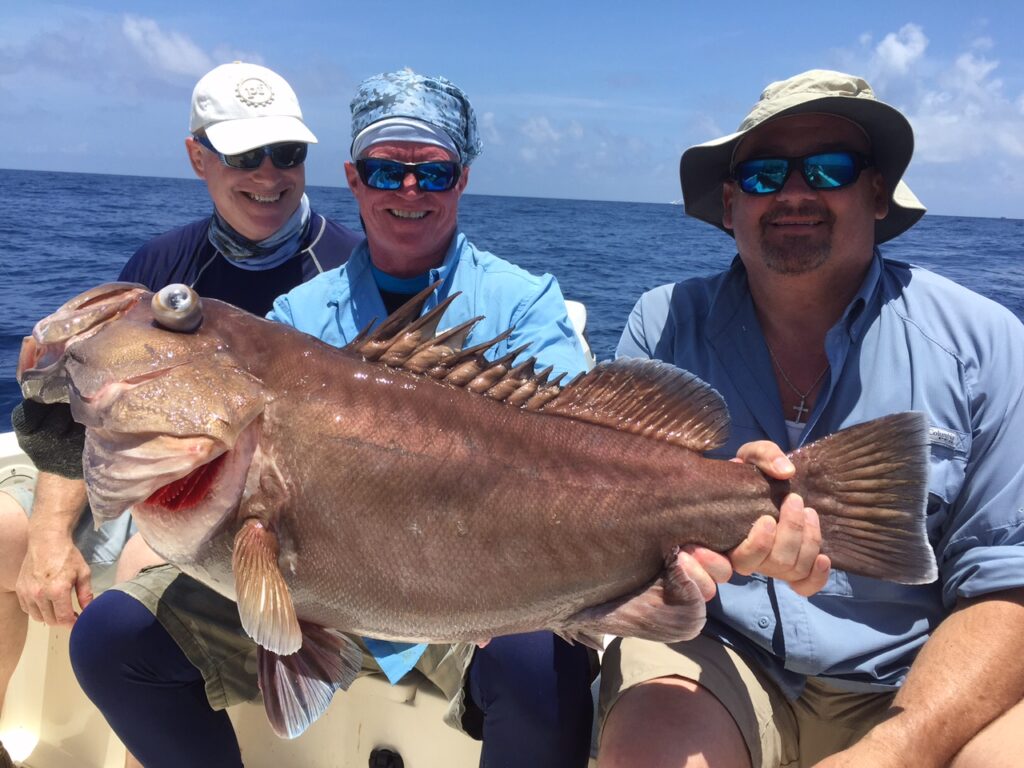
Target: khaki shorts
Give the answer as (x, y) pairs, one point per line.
(206, 627)
(778, 732)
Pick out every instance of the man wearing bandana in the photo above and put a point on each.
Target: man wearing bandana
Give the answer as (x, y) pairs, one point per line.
(162, 656)
(248, 143)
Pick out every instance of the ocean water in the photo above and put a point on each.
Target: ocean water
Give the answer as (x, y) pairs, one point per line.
(61, 233)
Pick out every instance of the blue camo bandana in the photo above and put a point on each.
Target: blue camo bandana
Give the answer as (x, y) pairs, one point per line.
(434, 100)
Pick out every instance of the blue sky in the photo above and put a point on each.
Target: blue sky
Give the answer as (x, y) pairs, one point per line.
(592, 100)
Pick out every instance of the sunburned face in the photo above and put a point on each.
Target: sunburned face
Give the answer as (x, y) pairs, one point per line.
(798, 229)
(408, 229)
(255, 203)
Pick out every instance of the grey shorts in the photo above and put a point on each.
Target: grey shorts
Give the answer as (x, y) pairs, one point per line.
(206, 627)
(778, 732)
(99, 547)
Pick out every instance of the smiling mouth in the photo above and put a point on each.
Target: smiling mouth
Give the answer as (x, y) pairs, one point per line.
(263, 198)
(399, 213)
(795, 223)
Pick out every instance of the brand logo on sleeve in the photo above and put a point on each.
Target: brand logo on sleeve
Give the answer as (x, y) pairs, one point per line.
(946, 438)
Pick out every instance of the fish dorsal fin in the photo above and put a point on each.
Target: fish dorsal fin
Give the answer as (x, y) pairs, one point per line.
(648, 398)
(410, 341)
(643, 397)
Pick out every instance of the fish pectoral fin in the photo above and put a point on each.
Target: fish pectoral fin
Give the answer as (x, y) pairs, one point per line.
(298, 688)
(264, 601)
(669, 610)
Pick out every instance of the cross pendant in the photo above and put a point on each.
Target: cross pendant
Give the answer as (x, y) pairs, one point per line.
(800, 410)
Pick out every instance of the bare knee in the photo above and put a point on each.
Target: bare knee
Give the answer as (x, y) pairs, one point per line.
(670, 723)
(13, 541)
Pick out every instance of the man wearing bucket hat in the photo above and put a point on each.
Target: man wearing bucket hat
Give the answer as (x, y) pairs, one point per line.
(811, 330)
(248, 142)
(527, 696)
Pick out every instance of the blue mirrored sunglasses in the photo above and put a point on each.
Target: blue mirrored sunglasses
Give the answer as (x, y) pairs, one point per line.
(433, 176)
(821, 171)
(287, 154)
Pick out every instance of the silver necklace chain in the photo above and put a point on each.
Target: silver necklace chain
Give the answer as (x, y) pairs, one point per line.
(800, 409)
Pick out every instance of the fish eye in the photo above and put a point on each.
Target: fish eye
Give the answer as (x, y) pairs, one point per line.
(177, 307)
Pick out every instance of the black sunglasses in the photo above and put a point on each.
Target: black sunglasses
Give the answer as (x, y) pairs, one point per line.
(287, 154)
(433, 176)
(821, 171)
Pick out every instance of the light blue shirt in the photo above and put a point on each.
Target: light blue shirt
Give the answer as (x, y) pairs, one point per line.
(909, 341)
(336, 305)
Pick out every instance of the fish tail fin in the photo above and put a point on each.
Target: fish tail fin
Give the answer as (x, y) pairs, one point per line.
(869, 485)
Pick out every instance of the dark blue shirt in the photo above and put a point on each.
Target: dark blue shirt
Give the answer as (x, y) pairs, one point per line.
(185, 255)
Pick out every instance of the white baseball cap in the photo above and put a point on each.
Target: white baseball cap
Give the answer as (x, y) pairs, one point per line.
(243, 106)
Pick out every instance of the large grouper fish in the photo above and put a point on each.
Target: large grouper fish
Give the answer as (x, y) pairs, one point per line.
(405, 488)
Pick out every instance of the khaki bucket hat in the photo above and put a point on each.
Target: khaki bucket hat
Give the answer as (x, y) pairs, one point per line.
(704, 167)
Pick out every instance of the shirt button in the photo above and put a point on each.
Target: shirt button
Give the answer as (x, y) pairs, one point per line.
(763, 622)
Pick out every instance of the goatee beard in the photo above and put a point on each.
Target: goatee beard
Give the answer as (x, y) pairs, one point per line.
(798, 254)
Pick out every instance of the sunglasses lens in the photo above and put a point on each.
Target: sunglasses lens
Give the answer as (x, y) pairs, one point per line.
(763, 176)
(245, 160)
(437, 177)
(288, 155)
(831, 170)
(380, 174)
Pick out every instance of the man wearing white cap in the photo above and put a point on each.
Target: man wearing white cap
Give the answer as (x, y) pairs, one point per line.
(248, 142)
(809, 331)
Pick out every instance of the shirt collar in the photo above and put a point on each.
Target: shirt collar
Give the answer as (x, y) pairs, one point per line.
(733, 297)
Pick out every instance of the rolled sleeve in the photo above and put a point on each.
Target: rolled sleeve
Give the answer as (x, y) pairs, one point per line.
(982, 550)
(281, 311)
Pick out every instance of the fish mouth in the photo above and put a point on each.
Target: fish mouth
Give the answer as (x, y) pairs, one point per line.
(41, 372)
(181, 490)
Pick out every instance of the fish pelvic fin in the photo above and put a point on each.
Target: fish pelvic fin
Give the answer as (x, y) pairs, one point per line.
(264, 601)
(298, 688)
(649, 398)
(869, 485)
(669, 610)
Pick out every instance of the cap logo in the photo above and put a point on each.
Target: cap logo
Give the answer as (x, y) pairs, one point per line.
(254, 92)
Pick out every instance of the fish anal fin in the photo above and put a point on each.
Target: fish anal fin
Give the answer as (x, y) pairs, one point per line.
(869, 485)
(669, 610)
(298, 688)
(648, 398)
(264, 602)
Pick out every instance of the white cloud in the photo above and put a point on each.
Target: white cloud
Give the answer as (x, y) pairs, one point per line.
(540, 131)
(488, 127)
(170, 52)
(899, 51)
(957, 105)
